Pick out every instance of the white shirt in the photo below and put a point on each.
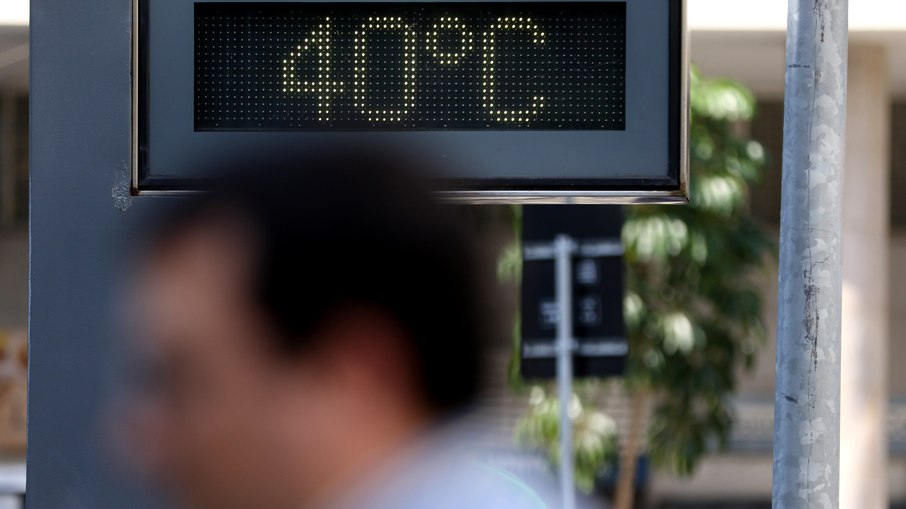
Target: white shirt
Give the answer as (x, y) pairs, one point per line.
(443, 471)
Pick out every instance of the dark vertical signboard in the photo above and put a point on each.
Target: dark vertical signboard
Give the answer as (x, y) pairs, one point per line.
(597, 280)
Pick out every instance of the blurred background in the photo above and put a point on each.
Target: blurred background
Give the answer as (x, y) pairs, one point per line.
(13, 245)
(711, 448)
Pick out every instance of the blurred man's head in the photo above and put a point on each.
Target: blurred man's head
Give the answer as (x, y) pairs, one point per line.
(298, 322)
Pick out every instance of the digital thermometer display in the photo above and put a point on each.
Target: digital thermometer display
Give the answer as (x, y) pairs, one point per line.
(410, 66)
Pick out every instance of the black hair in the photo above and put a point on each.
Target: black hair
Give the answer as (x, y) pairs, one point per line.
(354, 224)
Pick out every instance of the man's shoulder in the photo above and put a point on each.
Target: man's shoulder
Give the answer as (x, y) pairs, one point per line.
(505, 489)
(473, 484)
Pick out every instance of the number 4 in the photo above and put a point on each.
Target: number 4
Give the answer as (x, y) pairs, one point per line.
(322, 88)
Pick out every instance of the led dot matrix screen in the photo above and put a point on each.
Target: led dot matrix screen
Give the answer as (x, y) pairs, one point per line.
(416, 66)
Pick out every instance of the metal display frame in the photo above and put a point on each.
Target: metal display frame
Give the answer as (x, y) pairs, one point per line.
(672, 190)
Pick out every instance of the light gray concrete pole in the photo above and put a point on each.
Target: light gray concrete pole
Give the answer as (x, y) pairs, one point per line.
(563, 263)
(807, 402)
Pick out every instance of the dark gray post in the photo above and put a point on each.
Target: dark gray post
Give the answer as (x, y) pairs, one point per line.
(807, 402)
(81, 111)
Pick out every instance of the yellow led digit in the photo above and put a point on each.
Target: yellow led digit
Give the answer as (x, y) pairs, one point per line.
(322, 87)
(488, 61)
(449, 57)
(360, 66)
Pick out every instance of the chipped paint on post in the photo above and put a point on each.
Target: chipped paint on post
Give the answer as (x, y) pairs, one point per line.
(807, 401)
(121, 192)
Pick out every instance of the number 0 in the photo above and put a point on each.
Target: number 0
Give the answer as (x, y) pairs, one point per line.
(360, 81)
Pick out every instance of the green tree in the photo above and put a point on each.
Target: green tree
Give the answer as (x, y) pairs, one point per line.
(693, 305)
(594, 438)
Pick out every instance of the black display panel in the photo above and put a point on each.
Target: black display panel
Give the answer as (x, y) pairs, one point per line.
(408, 66)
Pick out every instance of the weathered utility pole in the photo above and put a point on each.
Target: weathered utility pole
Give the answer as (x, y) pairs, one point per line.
(807, 401)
